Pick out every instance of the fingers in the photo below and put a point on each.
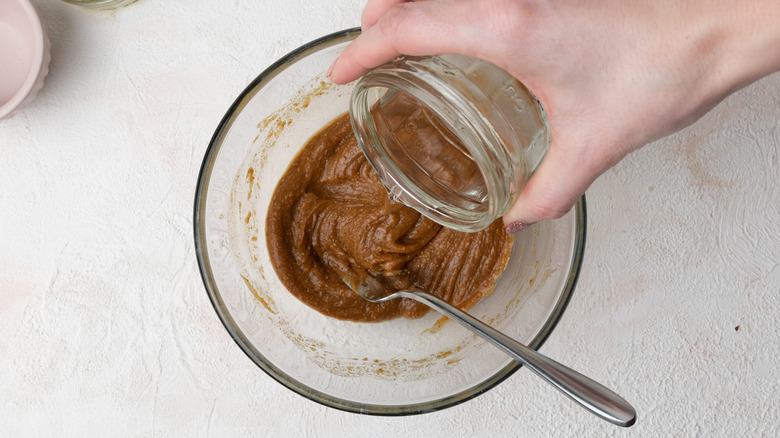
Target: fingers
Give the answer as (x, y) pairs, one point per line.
(374, 10)
(419, 28)
(558, 183)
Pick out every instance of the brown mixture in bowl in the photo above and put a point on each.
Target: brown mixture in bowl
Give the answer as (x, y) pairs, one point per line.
(330, 218)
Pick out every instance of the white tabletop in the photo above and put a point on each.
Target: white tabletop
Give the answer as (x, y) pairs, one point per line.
(106, 329)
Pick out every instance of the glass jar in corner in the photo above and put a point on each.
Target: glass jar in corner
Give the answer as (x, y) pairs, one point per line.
(100, 4)
(454, 137)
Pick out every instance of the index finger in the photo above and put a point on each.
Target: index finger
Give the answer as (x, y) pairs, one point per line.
(374, 10)
(419, 28)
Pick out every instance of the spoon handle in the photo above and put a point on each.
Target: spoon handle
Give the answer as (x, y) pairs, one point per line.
(592, 395)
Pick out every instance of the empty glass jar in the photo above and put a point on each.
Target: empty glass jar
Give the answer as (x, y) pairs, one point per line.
(452, 136)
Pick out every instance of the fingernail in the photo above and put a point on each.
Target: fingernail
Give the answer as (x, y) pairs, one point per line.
(330, 69)
(516, 227)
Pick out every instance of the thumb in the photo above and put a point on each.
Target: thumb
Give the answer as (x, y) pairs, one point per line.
(561, 179)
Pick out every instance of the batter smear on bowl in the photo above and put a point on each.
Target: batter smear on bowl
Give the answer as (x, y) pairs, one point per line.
(330, 218)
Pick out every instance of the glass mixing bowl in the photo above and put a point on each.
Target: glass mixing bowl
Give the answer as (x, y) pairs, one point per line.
(395, 367)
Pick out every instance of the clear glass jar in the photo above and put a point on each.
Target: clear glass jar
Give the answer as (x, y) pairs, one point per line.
(100, 4)
(454, 137)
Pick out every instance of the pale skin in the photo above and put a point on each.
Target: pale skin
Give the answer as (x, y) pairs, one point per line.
(613, 75)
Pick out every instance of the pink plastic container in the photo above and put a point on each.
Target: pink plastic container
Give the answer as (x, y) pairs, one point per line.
(24, 55)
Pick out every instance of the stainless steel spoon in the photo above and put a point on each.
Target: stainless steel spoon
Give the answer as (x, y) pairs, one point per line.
(592, 395)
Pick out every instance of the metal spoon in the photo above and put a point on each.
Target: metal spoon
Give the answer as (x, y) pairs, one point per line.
(590, 394)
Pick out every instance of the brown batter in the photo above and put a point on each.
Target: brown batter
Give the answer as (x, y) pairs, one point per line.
(330, 218)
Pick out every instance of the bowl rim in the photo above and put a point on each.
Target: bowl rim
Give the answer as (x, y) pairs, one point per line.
(256, 356)
(36, 62)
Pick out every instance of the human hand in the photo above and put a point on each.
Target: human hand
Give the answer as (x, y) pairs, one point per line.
(611, 75)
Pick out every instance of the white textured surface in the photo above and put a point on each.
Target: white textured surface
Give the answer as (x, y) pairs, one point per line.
(105, 328)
